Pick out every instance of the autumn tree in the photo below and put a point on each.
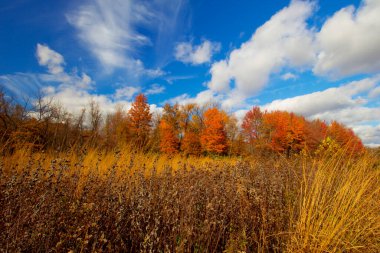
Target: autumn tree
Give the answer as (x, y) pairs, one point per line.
(252, 127)
(316, 132)
(284, 131)
(191, 144)
(116, 127)
(234, 140)
(140, 120)
(296, 134)
(275, 130)
(345, 137)
(214, 137)
(169, 142)
(185, 117)
(169, 129)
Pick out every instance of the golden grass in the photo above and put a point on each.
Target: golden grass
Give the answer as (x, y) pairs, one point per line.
(93, 200)
(338, 208)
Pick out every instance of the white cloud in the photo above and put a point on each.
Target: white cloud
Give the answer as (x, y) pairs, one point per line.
(126, 92)
(155, 89)
(111, 30)
(54, 63)
(220, 77)
(326, 100)
(353, 116)
(50, 59)
(375, 92)
(349, 41)
(74, 100)
(346, 44)
(201, 98)
(288, 76)
(370, 134)
(284, 40)
(173, 78)
(107, 28)
(71, 90)
(196, 55)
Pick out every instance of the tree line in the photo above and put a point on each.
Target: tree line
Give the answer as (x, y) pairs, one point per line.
(190, 129)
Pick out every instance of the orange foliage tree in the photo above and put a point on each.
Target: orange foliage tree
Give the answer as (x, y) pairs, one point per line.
(275, 125)
(285, 132)
(169, 142)
(191, 144)
(214, 137)
(296, 135)
(345, 137)
(140, 120)
(169, 128)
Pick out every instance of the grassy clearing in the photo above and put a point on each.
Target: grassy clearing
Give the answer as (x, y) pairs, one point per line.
(129, 201)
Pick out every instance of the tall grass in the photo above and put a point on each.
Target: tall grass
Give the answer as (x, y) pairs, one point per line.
(128, 201)
(339, 207)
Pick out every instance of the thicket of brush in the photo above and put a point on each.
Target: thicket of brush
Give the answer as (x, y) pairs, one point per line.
(134, 202)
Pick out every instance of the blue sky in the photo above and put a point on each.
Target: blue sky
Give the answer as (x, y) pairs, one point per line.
(317, 58)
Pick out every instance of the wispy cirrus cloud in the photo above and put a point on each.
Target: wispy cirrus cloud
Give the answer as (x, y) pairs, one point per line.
(108, 29)
(154, 89)
(111, 30)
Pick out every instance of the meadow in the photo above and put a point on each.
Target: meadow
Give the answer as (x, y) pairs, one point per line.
(94, 200)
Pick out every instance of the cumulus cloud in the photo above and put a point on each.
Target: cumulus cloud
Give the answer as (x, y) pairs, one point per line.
(351, 116)
(327, 100)
(196, 54)
(74, 100)
(284, 40)
(50, 59)
(201, 98)
(348, 42)
(370, 134)
(220, 77)
(73, 91)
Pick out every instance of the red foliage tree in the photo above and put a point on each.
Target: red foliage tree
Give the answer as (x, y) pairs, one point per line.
(316, 132)
(252, 126)
(214, 137)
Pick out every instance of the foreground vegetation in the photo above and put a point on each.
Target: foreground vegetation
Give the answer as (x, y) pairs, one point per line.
(123, 200)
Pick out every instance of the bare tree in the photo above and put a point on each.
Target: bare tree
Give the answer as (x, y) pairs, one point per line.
(95, 117)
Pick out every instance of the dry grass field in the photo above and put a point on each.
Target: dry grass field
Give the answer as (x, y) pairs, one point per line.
(121, 200)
